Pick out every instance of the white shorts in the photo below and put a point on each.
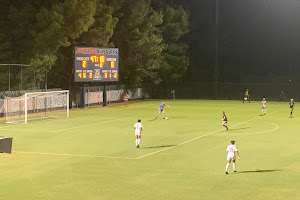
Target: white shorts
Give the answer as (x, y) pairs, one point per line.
(137, 133)
(231, 158)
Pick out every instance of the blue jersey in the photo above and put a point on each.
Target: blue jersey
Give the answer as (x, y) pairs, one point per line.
(161, 106)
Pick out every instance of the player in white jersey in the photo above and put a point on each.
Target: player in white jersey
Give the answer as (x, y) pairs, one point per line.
(126, 96)
(138, 129)
(231, 149)
(263, 106)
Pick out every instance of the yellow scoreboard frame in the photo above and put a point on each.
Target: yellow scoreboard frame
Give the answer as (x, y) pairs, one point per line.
(96, 64)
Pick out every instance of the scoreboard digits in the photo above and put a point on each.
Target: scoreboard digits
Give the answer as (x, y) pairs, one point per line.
(96, 64)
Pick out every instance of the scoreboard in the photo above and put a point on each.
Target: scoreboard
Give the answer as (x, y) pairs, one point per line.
(93, 64)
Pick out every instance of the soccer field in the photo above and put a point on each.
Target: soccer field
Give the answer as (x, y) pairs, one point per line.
(92, 154)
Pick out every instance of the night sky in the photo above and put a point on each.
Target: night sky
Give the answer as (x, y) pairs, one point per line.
(256, 37)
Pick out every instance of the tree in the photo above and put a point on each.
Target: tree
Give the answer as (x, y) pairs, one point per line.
(139, 39)
(103, 28)
(43, 28)
(97, 35)
(65, 23)
(5, 58)
(174, 28)
(149, 33)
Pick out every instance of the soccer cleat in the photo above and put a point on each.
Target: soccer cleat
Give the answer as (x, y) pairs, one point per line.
(138, 146)
(234, 171)
(227, 129)
(226, 172)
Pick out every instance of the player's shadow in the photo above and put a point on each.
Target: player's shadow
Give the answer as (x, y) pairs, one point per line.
(236, 129)
(260, 171)
(178, 117)
(161, 146)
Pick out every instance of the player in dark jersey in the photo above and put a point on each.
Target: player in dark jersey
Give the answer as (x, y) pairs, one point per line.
(224, 121)
(292, 105)
(246, 96)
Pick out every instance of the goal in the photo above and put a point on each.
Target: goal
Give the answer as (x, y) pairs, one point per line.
(36, 106)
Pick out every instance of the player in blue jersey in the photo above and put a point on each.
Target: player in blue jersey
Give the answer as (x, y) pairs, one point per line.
(224, 121)
(292, 105)
(161, 109)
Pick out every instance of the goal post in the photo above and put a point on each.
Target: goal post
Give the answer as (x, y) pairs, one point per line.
(37, 105)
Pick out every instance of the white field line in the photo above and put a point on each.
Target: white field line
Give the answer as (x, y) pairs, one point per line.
(6, 126)
(74, 155)
(65, 129)
(88, 125)
(270, 130)
(196, 138)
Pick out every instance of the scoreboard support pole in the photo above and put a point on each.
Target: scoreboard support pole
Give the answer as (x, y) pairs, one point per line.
(104, 95)
(82, 100)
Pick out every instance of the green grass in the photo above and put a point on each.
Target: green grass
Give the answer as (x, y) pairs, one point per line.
(164, 167)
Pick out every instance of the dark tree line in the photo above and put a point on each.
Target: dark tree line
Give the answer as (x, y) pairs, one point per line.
(150, 34)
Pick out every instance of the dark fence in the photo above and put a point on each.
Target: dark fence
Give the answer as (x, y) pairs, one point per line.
(94, 95)
(230, 91)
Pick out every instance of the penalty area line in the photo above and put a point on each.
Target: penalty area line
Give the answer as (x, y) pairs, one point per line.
(65, 129)
(196, 138)
(87, 125)
(74, 155)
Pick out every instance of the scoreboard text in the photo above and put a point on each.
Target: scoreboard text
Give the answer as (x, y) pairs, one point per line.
(94, 64)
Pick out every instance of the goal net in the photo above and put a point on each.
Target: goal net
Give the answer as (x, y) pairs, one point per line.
(37, 105)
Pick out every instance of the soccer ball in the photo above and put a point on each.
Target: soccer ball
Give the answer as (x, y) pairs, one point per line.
(166, 118)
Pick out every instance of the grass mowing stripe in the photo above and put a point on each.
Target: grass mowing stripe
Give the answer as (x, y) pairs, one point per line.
(74, 155)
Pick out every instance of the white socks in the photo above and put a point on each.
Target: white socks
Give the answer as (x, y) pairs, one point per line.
(137, 142)
(227, 167)
(233, 163)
